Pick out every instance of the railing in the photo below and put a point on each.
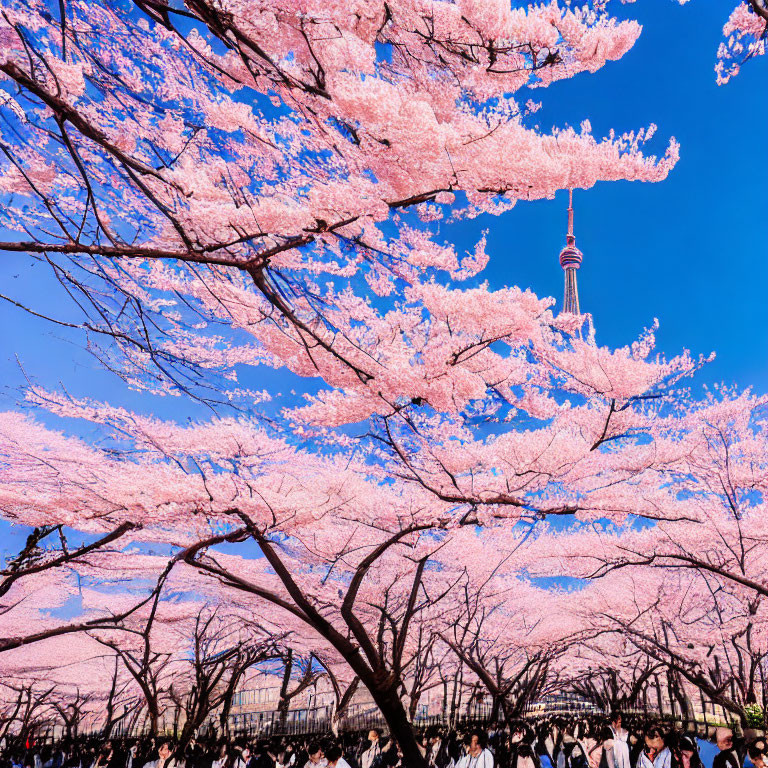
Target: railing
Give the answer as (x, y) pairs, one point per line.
(307, 721)
(319, 720)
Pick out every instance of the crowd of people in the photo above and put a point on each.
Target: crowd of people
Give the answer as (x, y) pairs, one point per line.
(553, 743)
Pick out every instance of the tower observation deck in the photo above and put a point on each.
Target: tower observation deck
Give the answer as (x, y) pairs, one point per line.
(570, 261)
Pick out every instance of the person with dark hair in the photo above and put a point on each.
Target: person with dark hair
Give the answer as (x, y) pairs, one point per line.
(131, 757)
(757, 751)
(222, 757)
(636, 743)
(438, 755)
(244, 758)
(604, 749)
(621, 756)
(727, 757)
(283, 755)
(520, 749)
(372, 757)
(568, 751)
(165, 756)
(552, 742)
(316, 758)
(335, 758)
(477, 755)
(655, 752)
(105, 757)
(686, 753)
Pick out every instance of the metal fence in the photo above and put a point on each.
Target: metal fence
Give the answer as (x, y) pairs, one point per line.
(479, 713)
(309, 721)
(320, 723)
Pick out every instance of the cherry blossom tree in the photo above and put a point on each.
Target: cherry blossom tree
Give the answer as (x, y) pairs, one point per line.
(39, 555)
(508, 633)
(704, 636)
(374, 112)
(24, 706)
(222, 186)
(357, 545)
(55, 683)
(147, 662)
(702, 560)
(344, 684)
(116, 690)
(713, 484)
(422, 672)
(223, 648)
(610, 671)
(70, 710)
(299, 674)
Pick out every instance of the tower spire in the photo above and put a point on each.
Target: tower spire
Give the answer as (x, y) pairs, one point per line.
(570, 261)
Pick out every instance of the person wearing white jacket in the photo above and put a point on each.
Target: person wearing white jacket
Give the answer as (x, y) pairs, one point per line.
(477, 754)
(621, 758)
(655, 754)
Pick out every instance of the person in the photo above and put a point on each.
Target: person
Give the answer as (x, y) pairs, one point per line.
(727, 757)
(193, 754)
(570, 753)
(655, 753)
(588, 741)
(372, 758)
(165, 758)
(551, 743)
(521, 753)
(686, 753)
(543, 744)
(315, 755)
(105, 757)
(131, 756)
(757, 753)
(222, 758)
(285, 758)
(636, 743)
(477, 755)
(280, 754)
(392, 755)
(335, 758)
(621, 756)
(437, 754)
(243, 760)
(603, 753)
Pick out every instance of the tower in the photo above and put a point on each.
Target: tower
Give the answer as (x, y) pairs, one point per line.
(570, 261)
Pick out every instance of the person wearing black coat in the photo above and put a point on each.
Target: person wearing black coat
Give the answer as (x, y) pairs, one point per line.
(728, 756)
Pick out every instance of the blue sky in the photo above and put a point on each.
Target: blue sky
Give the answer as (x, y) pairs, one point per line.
(691, 251)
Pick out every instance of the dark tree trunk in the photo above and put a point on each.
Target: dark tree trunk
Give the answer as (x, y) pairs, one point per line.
(153, 718)
(684, 702)
(226, 708)
(342, 705)
(495, 709)
(399, 726)
(283, 703)
(413, 703)
(659, 697)
(192, 722)
(444, 708)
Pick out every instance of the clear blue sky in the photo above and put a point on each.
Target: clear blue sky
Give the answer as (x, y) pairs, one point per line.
(691, 251)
